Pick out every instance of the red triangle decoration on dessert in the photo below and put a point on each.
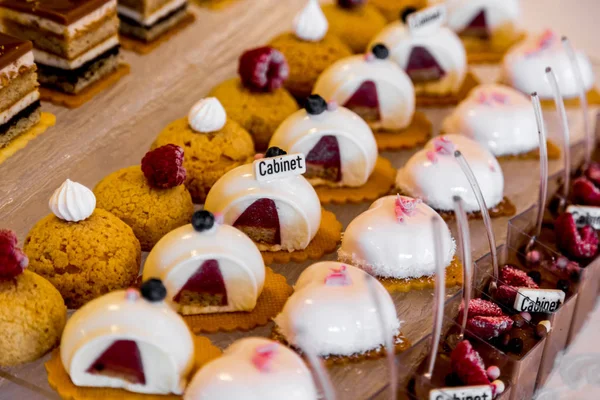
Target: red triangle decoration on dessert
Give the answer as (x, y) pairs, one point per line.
(323, 160)
(478, 27)
(123, 360)
(260, 221)
(365, 102)
(423, 67)
(206, 284)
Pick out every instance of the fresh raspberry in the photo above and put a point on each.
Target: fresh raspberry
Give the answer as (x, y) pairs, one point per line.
(515, 277)
(489, 327)
(585, 192)
(480, 307)
(263, 69)
(468, 365)
(351, 3)
(163, 167)
(12, 260)
(593, 173)
(506, 294)
(576, 243)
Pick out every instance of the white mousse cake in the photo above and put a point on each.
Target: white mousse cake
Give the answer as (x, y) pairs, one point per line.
(434, 175)
(339, 146)
(207, 267)
(394, 239)
(500, 118)
(372, 86)
(251, 369)
(129, 341)
(332, 312)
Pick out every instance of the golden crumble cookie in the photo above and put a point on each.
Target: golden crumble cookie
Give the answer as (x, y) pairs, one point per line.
(208, 156)
(260, 113)
(149, 211)
(356, 26)
(391, 9)
(32, 318)
(307, 60)
(84, 259)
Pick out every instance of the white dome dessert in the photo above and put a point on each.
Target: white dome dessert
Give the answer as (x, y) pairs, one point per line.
(524, 67)
(339, 146)
(253, 369)
(375, 88)
(500, 118)
(121, 340)
(208, 269)
(277, 214)
(394, 239)
(332, 311)
(480, 18)
(434, 175)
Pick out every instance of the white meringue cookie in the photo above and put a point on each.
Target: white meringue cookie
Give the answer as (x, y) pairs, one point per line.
(207, 115)
(72, 202)
(311, 24)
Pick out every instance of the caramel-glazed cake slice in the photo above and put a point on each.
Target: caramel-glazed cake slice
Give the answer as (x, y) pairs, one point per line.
(146, 20)
(19, 95)
(76, 42)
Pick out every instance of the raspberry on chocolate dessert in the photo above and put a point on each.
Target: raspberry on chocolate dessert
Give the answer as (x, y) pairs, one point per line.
(146, 20)
(75, 42)
(577, 243)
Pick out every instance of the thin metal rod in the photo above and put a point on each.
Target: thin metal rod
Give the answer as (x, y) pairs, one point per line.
(464, 240)
(543, 193)
(316, 364)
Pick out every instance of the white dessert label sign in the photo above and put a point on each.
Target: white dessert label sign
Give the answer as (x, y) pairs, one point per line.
(266, 169)
(538, 300)
(427, 21)
(482, 392)
(585, 215)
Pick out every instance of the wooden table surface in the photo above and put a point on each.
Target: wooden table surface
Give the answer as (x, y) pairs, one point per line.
(116, 129)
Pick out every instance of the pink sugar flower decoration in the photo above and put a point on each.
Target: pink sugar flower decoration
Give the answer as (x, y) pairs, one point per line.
(431, 156)
(369, 56)
(132, 294)
(404, 207)
(219, 218)
(338, 277)
(259, 156)
(263, 357)
(492, 166)
(443, 146)
(332, 105)
(545, 41)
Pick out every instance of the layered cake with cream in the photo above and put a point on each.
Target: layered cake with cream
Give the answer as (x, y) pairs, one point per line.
(434, 175)
(146, 20)
(525, 64)
(207, 267)
(334, 312)
(282, 213)
(254, 368)
(75, 42)
(500, 118)
(394, 239)
(339, 146)
(19, 95)
(129, 340)
(372, 86)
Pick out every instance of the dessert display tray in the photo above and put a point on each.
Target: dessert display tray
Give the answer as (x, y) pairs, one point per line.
(115, 129)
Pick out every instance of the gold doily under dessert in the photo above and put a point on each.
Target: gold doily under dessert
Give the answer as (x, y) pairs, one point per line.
(553, 153)
(469, 83)
(46, 121)
(487, 54)
(418, 132)
(454, 277)
(504, 209)
(270, 302)
(593, 98)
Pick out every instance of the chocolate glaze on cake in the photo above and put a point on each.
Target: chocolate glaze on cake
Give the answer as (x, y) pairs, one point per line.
(11, 49)
(62, 11)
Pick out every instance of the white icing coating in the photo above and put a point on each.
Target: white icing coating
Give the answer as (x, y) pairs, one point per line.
(207, 115)
(53, 60)
(178, 255)
(234, 376)
(497, 13)
(443, 44)
(498, 117)
(163, 338)
(525, 64)
(336, 319)
(381, 245)
(438, 182)
(11, 71)
(395, 91)
(19, 106)
(297, 204)
(72, 202)
(150, 19)
(311, 24)
(300, 132)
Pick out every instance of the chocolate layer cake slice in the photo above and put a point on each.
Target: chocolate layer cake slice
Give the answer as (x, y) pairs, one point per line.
(19, 95)
(146, 20)
(75, 42)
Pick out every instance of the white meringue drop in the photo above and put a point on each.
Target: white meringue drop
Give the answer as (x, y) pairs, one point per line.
(72, 202)
(311, 24)
(207, 115)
